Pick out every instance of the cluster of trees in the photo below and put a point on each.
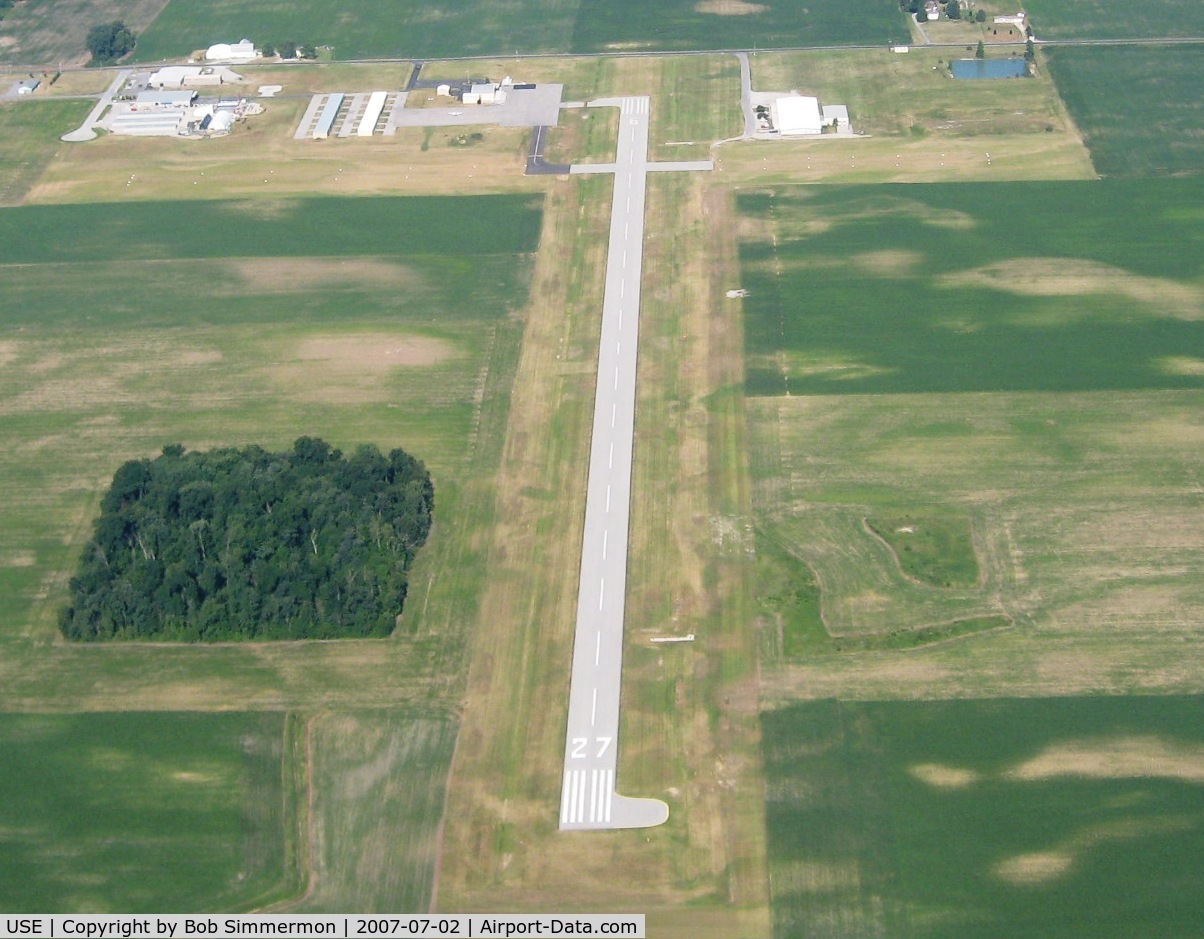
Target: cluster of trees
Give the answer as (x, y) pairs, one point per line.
(248, 544)
(290, 50)
(108, 42)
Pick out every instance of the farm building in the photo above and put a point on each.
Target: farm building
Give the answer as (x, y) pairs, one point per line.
(28, 86)
(165, 99)
(799, 114)
(242, 51)
(1011, 19)
(177, 76)
(836, 115)
(155, 123)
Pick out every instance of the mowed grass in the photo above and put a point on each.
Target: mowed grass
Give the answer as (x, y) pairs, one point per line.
(1009, 287)
(994, 818)
(143, 812)
(29, 139)
(389, 321)
(1141, 108)
(1114, 19)
(374, 822)
(932, 547)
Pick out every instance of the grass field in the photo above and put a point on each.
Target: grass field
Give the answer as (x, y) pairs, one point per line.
(999, 818)
(142, 812)
(955, 289)
(1114, 19)
(1141, 109)
(921, 124)
(29, 133)
(931, 547)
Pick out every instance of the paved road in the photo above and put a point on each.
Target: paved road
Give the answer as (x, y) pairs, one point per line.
(86, 130)
(746, 105)
(588, 797)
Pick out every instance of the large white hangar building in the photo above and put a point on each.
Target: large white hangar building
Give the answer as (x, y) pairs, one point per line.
(799, 114)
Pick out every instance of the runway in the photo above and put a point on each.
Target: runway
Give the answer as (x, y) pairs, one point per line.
(588, 796)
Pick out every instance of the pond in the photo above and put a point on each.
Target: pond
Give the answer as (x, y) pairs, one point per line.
(989, 68)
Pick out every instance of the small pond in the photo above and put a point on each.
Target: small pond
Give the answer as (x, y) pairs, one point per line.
(989, 68)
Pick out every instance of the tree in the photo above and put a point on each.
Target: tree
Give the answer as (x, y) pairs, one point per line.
(953, 10)
(110, 41)
(1030, 54)
(981, 51)
(980, 16)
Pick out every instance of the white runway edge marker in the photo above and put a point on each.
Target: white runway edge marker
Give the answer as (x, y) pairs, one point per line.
(588, 799)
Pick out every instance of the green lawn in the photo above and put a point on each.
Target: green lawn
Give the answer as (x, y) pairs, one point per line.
(1141, 109)
(1114, 19)
(999, 819)
(1003, 287)
(143, 812)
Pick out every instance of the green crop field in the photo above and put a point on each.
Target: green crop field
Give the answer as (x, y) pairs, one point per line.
(1007, 287)
(603, 25)
(1114, 19)
(420, 30)
(143, 812)
(1141, 109)
(998, 819)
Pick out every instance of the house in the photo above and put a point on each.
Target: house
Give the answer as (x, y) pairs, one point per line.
(28, 86)
(932, 10)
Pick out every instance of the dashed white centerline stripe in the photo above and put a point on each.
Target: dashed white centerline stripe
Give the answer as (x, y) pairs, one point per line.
(601, 592)
(610, 460)
(598, 648)
(605, 539)
(614, 410)
(608, 498)
(593, 711)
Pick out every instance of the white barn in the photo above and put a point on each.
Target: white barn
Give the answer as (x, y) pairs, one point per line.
(242, 51)
(799, 114)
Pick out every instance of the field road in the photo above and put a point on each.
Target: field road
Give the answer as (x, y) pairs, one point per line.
(588, 798)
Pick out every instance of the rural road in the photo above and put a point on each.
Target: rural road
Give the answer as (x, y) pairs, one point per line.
(588, 798)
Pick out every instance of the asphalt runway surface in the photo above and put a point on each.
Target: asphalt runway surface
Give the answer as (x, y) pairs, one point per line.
(588, 796)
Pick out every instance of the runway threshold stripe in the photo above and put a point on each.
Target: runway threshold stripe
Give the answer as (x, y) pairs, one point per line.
(564, 799)
(581, 797)
(593, 796)
(610, 794)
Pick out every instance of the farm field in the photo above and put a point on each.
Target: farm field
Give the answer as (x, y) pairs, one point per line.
(354, 321)
(1114, 19)
(533, 26)
(992, 818)
(141, 812)
(378, 780)
(54, 32)
(1001, 288)
(1141, 109)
